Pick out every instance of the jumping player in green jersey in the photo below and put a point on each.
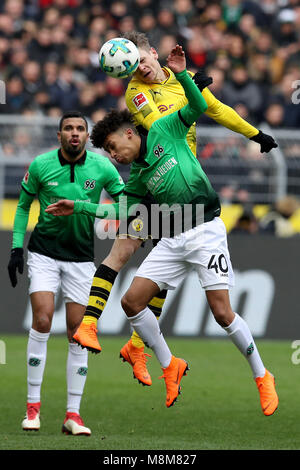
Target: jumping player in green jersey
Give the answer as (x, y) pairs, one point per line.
(60, 254)
(153, 92)
(163, 164)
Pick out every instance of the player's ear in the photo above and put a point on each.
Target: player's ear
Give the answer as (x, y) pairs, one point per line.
(129, 132)
(59, 136)
(154, 53)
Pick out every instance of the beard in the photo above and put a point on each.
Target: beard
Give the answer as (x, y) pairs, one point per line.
(72, 150)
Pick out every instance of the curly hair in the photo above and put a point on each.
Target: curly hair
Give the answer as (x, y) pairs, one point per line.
(112, 122)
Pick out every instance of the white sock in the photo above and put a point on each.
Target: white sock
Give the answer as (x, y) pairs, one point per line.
(147, 327)
(76, 376)
(36, 360)
(241, 336)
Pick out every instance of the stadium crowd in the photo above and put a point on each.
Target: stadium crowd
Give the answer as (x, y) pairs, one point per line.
(49, 52)
(49, 64)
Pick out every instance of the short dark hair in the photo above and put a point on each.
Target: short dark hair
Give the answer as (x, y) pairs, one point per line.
(112, 122)
(72, 114)
(139, 39)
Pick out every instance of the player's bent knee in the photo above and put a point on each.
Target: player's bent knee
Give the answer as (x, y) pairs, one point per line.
(222, 315)
(42, 324)
(131, 306)
(127, 306)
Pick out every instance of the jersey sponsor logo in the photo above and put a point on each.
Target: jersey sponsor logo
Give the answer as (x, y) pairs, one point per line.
(140, 101)
(90, 184)
(26, 177)
(53, 183)
(163, 107)
(157, 178)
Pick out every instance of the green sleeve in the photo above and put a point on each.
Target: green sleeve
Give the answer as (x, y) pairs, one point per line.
(196, 103)
(121, 210)
(177, 124)
(21, 219)
(114, 184)
(30, 181)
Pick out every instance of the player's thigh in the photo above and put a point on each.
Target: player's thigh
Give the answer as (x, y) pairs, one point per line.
(165, 264)
(121, 252)
(76, 280)
(43, 273)
(44, 282)
(211, 259)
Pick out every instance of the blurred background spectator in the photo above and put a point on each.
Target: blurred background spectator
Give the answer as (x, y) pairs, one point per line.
(49, 63)
(247, 224)
(251, 48)
(278, 220)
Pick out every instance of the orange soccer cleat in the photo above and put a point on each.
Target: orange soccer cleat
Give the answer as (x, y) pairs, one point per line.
(267, 392)
(31, 422)
(173, 375)
(86, 337)
(137, 359)
(73, 424)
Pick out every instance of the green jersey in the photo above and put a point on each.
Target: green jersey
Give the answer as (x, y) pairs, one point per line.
(166, 166)
(50, 177)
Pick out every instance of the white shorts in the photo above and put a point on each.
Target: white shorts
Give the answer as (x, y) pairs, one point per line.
(203, 249)
(48, 274)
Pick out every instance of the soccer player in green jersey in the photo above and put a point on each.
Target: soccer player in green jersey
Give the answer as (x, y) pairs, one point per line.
(163, 164)
(60, 254)
(153, 92)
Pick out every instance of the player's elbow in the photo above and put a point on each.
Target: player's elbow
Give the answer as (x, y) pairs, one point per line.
(204, 107)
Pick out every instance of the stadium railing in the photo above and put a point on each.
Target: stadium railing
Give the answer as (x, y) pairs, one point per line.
(234, 164)
(240, 173)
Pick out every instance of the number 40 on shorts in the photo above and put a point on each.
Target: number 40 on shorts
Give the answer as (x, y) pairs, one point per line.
(218, 262)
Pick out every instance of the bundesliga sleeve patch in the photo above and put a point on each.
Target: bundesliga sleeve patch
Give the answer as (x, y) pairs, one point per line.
(26, 177)
(140, 101)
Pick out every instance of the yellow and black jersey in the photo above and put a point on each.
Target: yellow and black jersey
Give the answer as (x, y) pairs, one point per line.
(148, 102)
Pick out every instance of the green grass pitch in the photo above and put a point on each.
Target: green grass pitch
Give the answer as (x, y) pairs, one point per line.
(218, 408)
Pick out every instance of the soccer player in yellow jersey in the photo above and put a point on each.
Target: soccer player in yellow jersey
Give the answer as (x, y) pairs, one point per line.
(152, 93)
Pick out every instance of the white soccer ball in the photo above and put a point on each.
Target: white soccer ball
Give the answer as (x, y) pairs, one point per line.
(119, 57)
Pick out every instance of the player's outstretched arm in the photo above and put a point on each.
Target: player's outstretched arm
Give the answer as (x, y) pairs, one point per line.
(196, 103)
(228, 117)
(59, 208)
(116, 211)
